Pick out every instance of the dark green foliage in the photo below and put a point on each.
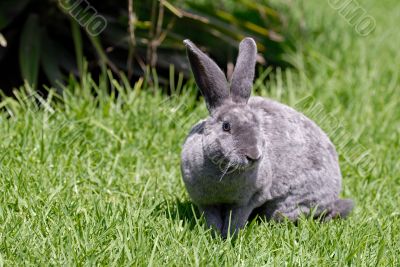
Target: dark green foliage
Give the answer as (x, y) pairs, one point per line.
(44, 41)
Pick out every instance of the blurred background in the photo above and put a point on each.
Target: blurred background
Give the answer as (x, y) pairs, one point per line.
(48, 42)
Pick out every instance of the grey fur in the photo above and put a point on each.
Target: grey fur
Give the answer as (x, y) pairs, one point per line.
(209, 77)
(273, 160)
(243, 75)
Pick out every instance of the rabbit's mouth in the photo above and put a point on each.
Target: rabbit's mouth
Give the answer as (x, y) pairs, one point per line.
(230, 166)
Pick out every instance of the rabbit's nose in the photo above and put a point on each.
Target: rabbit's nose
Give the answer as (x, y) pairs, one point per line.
(253, 155)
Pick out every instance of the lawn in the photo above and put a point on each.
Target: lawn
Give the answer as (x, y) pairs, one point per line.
(95, 180)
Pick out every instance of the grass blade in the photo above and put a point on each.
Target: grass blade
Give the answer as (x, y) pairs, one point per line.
(29, 52)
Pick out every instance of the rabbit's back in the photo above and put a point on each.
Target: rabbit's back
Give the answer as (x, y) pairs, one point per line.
(304, 162)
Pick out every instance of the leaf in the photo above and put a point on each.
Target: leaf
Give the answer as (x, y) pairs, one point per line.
(171, 8)
(251, 26)
(29, 50)
(104, 61)
(50, 55)
(3, 41)
(100, 51)
(77, 37)
(260, 7)
(9, 10)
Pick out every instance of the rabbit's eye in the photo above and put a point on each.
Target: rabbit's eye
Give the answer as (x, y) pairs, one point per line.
(226, 126)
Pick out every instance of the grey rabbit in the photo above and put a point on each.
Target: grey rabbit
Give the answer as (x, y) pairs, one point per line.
(255, 155)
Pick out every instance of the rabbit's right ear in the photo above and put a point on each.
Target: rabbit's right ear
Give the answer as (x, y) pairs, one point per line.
(243, 75)
(209, 77)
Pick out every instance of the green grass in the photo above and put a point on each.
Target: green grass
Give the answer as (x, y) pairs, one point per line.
(96, 180)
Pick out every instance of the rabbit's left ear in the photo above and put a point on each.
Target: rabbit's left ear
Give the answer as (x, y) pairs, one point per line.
(243, 75)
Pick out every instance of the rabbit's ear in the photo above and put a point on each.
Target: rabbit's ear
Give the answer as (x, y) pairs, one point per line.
(243, 75)
(209, 77)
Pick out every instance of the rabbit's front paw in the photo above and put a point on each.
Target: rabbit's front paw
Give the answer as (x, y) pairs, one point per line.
(213, 217)
(234, 220)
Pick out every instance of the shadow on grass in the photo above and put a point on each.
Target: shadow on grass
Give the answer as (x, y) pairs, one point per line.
(184, 211)
(188, 215)
(188, 212)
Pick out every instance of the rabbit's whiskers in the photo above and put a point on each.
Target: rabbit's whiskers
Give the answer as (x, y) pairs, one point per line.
(225, 171)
